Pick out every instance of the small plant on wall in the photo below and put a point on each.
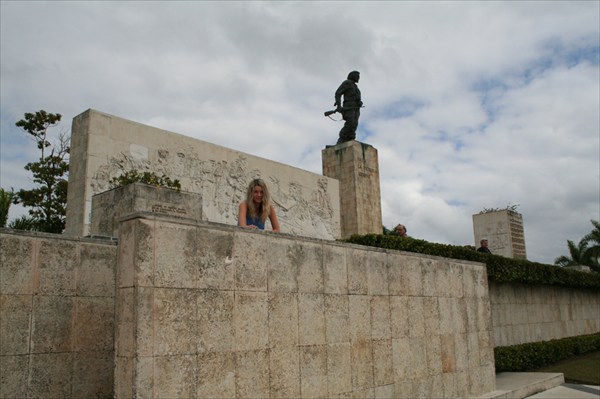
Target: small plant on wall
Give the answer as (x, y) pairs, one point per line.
(150, 178)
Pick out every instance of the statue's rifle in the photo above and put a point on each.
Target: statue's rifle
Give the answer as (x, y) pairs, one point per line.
(340, 110)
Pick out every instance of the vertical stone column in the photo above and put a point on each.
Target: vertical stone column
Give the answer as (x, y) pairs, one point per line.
(355, 165)
(504, 231)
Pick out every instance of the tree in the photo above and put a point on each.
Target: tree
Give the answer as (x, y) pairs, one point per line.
(6, 198)
(577, 253)
(593, 240)
(48, 199)
(585, 253)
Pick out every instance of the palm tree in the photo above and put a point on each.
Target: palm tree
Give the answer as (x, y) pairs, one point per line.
(593, 240)
(585, 253)
(577, 252)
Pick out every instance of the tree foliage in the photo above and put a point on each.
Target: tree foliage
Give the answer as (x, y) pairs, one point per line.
(48, 199)
(585, 253)
(6, 198)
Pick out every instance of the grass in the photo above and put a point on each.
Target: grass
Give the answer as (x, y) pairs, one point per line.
(584, 369)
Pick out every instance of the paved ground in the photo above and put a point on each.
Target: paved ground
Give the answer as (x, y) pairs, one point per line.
(569, 391)
(539, 386)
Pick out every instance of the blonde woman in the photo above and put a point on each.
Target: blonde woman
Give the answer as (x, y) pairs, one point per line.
(257, 207)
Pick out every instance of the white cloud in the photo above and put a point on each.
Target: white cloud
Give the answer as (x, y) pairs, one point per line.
(470, 104)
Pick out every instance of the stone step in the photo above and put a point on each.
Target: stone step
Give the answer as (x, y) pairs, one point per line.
(522, 385)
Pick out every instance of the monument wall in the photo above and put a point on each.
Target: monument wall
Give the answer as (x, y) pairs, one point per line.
(534, 313)
(217, 311)
(504, 231)
(104, 146)
(311, 314)
(56, 316)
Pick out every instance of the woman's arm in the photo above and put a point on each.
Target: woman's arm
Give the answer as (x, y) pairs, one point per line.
(243, 210)
(274, 221)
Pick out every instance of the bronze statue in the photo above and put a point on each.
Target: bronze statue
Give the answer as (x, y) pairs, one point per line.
(350, 108)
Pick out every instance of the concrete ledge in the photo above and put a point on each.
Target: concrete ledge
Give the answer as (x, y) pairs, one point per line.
(522, 385)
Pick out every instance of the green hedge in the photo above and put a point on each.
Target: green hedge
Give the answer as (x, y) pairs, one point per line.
(535, 355)
(499, 268)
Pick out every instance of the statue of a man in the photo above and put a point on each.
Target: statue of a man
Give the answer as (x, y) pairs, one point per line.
(350, 108)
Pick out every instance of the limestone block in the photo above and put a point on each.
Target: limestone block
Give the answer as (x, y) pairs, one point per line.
(461, 353)
(282, 271)
(339, 371)
(449, 385)
(57, 263)
(449, 279)
(251, 321)
(359, 310)
(401, 359)
(383, 364)
(417, 355)
(216, 330)
(96, 274)
(283, 320)
(431, 316)
(50, 375)
(433, 351)
(308, 260)
(124, 322)
(313, 371)
(51, 324)
(474, 360)
(175, 376)
(334, 270)
(15, 316)
(403, 388)
(250, 251)
(123, 377)
(144, 253)
(447, 354)
(462, 384)
(284, 377)
(93, 375)
(336, 319)
(486, 348)
(380, 318)
(428, 269)
(399, 316)
(176, 261)
(216, 375)
(93, 328)
(385, 392)
(175, 322)
(14, 371)
(377, 273)
(311, 325)
(362, 363)
(215, 259)
(125, 270)
(143, 374)
(16, 264)
(405, 275)
(144, 321)
(356, 261)
(416, 319)
(252, 374)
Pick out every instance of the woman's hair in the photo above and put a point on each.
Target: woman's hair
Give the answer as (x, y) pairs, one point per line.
(265, 207)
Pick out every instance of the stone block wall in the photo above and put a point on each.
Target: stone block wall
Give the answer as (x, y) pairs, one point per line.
(217, 311)
(56, 316)
(529, 313)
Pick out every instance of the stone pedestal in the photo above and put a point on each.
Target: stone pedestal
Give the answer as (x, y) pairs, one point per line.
(504, 231)
(355, 165)
(110, 206)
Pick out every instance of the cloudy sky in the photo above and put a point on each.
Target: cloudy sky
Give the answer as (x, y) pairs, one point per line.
(471, 105)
